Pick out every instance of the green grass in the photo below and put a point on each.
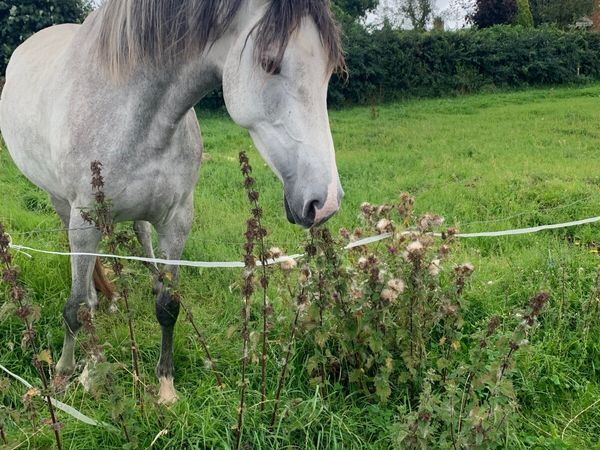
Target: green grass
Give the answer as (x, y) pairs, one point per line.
(485, 162)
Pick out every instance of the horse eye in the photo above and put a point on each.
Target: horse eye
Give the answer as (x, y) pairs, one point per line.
(270, 66)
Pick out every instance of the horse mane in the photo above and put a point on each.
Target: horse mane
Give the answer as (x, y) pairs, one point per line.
(155, 32)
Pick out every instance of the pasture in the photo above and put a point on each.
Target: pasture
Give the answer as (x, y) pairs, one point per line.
(486, 162)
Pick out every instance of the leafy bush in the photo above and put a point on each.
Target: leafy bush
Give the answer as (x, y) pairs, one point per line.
(384, 323)
(524, 16)
(19, 19)
(388, 64)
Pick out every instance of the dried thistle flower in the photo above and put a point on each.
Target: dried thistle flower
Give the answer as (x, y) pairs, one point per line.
(415, 248)
(288, 263)
(384, 226)
(434, 267)
(275, 252)
(397, 285)
(389, 294)
(429, 221)
(367, 210)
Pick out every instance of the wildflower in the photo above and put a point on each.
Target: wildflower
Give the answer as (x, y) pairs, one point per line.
(367, 209)
(275, 252)
(451, 232)
(304, 275)
(406, 204)
(397, 285)
(389, 295)
(429, 221)
(434, 268)
(344, 233)
(384, 225)
(31, 393)
(444, 251)
(288, 264)
(356, 235)
(464, 270)
(415, 248)
(362, 262)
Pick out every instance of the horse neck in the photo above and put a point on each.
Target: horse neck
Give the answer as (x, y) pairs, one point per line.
(173, 89)
(187, 82)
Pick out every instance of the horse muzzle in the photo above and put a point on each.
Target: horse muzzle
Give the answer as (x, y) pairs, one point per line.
(312, 211)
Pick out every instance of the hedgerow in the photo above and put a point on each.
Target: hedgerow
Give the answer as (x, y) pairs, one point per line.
(387, 64)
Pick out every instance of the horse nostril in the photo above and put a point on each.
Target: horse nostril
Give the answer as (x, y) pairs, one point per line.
(310, 210)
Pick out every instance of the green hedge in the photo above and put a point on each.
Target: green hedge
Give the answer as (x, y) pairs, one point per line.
(387, 64)
(19, 19)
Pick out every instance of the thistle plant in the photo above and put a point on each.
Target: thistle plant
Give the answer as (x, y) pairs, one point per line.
(387, 320)
(28, 314)
(257, 233)
(210, 362)
(100, 216)
(301, 302)
(247, 290)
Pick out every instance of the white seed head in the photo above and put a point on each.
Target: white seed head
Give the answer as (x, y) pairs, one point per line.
(434, 268)
(384, 225)
(288, 264)
(389, 294)
(414, 247)
(397, 285)
(275, 252)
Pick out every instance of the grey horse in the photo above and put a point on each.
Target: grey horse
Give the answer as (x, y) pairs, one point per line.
(120, 89)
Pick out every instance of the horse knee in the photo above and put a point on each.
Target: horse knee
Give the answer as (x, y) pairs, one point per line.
(167, 309)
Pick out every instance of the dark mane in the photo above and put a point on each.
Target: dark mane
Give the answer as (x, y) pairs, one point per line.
(154, 32)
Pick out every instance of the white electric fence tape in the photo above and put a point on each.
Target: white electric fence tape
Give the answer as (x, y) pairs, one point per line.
(359, 243)
(60, 405)
(235, 264)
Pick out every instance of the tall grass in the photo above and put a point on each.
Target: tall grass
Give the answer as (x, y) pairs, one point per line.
(483, 162)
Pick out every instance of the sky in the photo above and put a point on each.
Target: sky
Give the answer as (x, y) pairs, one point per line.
(451, 11)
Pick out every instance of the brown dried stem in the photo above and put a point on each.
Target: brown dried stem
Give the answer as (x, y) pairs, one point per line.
(190, 319)
(102, 218)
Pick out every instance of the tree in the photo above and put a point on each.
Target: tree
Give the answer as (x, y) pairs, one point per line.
(493, 12)
(399, 13)
(19, 19)
(563, 13)
(354, 9)
(438, 23)
(524, 16)
(418, 13)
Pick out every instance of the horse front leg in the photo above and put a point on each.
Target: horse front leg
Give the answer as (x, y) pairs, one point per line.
(82, 239)
(171, 240)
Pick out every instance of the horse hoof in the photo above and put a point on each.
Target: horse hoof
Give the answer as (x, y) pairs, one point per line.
(167, 395)
(64, 368)
(113, 308)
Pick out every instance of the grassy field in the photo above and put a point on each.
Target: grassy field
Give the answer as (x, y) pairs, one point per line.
(486, 162)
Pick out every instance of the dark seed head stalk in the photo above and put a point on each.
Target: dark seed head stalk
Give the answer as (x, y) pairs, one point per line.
(100, 215)
(255, 237)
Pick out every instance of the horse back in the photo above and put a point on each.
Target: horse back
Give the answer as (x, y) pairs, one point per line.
(30, 95)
